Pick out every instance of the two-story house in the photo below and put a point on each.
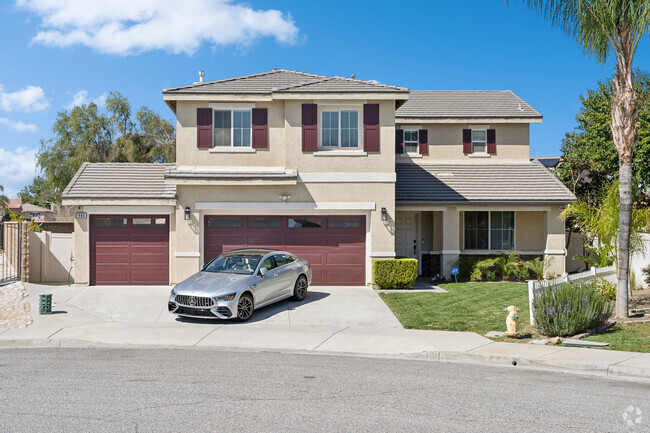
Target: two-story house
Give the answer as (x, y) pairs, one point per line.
(336, 170)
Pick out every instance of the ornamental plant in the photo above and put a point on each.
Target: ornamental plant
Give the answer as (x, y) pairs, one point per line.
(570, 309)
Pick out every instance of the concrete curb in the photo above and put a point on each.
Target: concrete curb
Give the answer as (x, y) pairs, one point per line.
(612, 371)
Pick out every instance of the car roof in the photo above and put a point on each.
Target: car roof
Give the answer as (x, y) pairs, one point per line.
(262, 251)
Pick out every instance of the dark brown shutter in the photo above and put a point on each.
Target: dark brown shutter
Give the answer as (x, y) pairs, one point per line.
(371, 127)
(467, 141)
(399, 141)
(309, 127)
(260, 128)
(204, 128)
(424, 141)
(491, 141)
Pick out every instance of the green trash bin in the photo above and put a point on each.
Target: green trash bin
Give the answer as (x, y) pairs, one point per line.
(45, 303)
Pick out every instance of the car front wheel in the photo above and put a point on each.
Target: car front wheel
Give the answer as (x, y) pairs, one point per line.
(300, 288)
(244, 307)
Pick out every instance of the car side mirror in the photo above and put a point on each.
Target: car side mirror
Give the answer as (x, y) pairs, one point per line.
(263, 271)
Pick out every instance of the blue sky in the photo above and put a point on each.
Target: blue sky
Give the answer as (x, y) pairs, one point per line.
(55, 54)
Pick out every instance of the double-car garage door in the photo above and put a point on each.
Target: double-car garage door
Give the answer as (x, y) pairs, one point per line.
(134, 249)
(334, 245)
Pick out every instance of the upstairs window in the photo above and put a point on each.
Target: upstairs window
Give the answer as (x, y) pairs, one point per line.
(339, 129)
(479, 141)
(232, 128)
(411, 141)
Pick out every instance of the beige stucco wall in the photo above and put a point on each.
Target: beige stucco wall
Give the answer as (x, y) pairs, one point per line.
(437, 231)
(285, 141)
(189, 234)
(187, 154)
(446, 143)
(529, 231)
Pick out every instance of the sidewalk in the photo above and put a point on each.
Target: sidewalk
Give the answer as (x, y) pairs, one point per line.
(352, 321)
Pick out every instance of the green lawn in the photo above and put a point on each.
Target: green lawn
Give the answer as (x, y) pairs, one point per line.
(478, 307)
(632, 337)
(475, 307)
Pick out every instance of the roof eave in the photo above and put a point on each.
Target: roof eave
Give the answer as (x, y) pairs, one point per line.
(484, 119)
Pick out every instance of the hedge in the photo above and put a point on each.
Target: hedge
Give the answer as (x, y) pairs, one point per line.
(394, 273)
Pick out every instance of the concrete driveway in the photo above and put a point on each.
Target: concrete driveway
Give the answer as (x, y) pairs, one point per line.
(336, 306)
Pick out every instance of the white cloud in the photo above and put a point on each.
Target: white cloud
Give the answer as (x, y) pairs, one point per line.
(18, 126)
(81, 98)
(31, 98)
(18, 169)
(135, 26)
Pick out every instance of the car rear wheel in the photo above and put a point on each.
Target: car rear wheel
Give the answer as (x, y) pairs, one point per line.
(300, 288)
(244, 307)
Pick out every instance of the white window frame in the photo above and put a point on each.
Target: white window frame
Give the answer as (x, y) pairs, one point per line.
(479, 128)
(514, 229)
(339, 109)
(416, 129)
(232, 128)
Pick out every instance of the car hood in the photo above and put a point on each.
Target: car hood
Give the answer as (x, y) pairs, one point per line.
(212, 283)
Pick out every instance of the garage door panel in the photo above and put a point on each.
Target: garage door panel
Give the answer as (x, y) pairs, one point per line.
(337, 255)
(340, 258)
(132, 253)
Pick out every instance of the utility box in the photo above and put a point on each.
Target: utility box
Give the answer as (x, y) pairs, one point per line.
(45, 303)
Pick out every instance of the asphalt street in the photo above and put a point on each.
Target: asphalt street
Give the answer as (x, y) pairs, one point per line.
(129, 390)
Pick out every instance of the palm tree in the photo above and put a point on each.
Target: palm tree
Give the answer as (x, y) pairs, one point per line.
(602, 27)
(4, 200)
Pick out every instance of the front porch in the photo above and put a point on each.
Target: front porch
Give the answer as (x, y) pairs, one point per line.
(439, 235)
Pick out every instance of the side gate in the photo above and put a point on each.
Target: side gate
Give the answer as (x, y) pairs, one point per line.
(10, 251)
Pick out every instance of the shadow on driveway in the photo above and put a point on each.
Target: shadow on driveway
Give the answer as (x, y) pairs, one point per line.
(263, 313)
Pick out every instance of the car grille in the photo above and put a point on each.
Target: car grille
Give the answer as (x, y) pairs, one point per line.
(194, 301)
(194, 312)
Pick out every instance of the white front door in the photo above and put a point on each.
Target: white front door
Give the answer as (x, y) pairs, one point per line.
(406, 243)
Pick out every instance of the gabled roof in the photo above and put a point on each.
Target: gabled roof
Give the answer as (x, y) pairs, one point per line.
(477, 183)
(118, 181)
(285, 81)
(459, 104)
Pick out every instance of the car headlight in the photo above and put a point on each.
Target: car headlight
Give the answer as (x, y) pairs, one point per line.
(228, 297)
(174, 291)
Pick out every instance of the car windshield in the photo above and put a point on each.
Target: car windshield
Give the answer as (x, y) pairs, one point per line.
(234, 264)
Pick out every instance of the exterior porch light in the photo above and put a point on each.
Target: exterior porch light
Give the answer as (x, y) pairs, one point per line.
(187, 213)
(384, 214)
(284, 197)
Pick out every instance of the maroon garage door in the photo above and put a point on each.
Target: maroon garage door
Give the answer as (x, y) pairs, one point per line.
(129, 250)
(334, 245)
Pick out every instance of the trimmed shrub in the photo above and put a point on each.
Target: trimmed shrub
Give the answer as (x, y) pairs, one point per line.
(570, 309)
(394, 273)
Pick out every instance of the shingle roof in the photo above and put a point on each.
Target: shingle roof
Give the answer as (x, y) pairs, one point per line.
(446, 104)
(523, 183)
(28, 207)
(285, 81)
(120, 180)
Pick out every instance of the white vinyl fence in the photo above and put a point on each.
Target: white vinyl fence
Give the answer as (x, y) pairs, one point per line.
(607, 273)
(51, 257)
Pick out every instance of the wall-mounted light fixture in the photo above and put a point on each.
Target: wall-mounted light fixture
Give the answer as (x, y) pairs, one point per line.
(187, 213)
(384, 214)
(284, 197)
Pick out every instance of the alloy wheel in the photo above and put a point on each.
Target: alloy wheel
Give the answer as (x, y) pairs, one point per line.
(244, 307)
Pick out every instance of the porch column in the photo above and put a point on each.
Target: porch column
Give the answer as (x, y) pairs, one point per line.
(555, 241)
(450, 240)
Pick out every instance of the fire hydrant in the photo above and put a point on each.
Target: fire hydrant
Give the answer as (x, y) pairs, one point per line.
(512, 321)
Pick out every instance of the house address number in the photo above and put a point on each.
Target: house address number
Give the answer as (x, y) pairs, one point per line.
(79, 215)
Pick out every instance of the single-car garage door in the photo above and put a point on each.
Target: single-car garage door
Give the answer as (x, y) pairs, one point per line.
(335, 246)
(129, 250)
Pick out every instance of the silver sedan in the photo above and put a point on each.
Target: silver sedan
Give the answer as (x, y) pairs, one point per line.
(238, 282)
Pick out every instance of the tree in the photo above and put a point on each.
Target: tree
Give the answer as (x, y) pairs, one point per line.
(38, 193)
(589, 158)
(602, 27)
(4, 203)
(598, 220)
(85, 134)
